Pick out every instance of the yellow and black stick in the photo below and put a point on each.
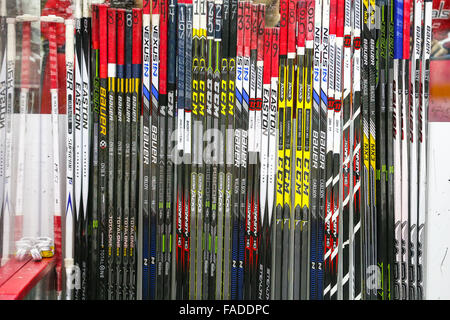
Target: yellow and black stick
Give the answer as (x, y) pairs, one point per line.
(280, 161)
(299, 132)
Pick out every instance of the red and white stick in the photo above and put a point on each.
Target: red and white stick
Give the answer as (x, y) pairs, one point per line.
(53, 59)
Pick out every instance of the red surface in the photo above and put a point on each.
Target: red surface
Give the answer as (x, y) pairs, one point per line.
(254, 27)
(94, 28)
(25, 279)
(267, 55)
(247, 28)
(120, 21)
(332, 21)
(53, 56)
(261, 25)
(284, 8)
(103, 35)
(240, 30)
(406, 28)
(340, 19)
(112, 36)
(310, 21)
(301, 23)
(146, 6)
(137, 36)
(275, 51)
(46, 100)
(61, 8)
(9, 269)
(58, 250)
(26, 51)
(155, 7)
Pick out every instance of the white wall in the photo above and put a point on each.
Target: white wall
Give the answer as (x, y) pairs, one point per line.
(437, 259)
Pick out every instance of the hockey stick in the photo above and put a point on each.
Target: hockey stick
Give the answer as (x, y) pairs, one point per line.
(180, 240)
(307, 160)
(256, 216)
(298, 141)
(271, 181)
(190, 204)
(136, 108)
(85, 149)
(248, 239)
(129, 198)
(53, 59)
(329, 151)
(404, 126)
(112, 82)
(264, 205)
(398, 55)
(278, 280)
(170, 173)
(413, 148)
(24, 108)
(322, 142)
(103, 152)
(155, 214)
(356, 212)
(237, 148)
(229, 73)
(315, 129)
(69, 244)
(381, 159)
(162, 125)
(94, 140)
(345, 222)
(11, 68)
(3, 104)
(423, 148)
(120, 155)
(216, 233)
(288, 119)
(337, 138)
